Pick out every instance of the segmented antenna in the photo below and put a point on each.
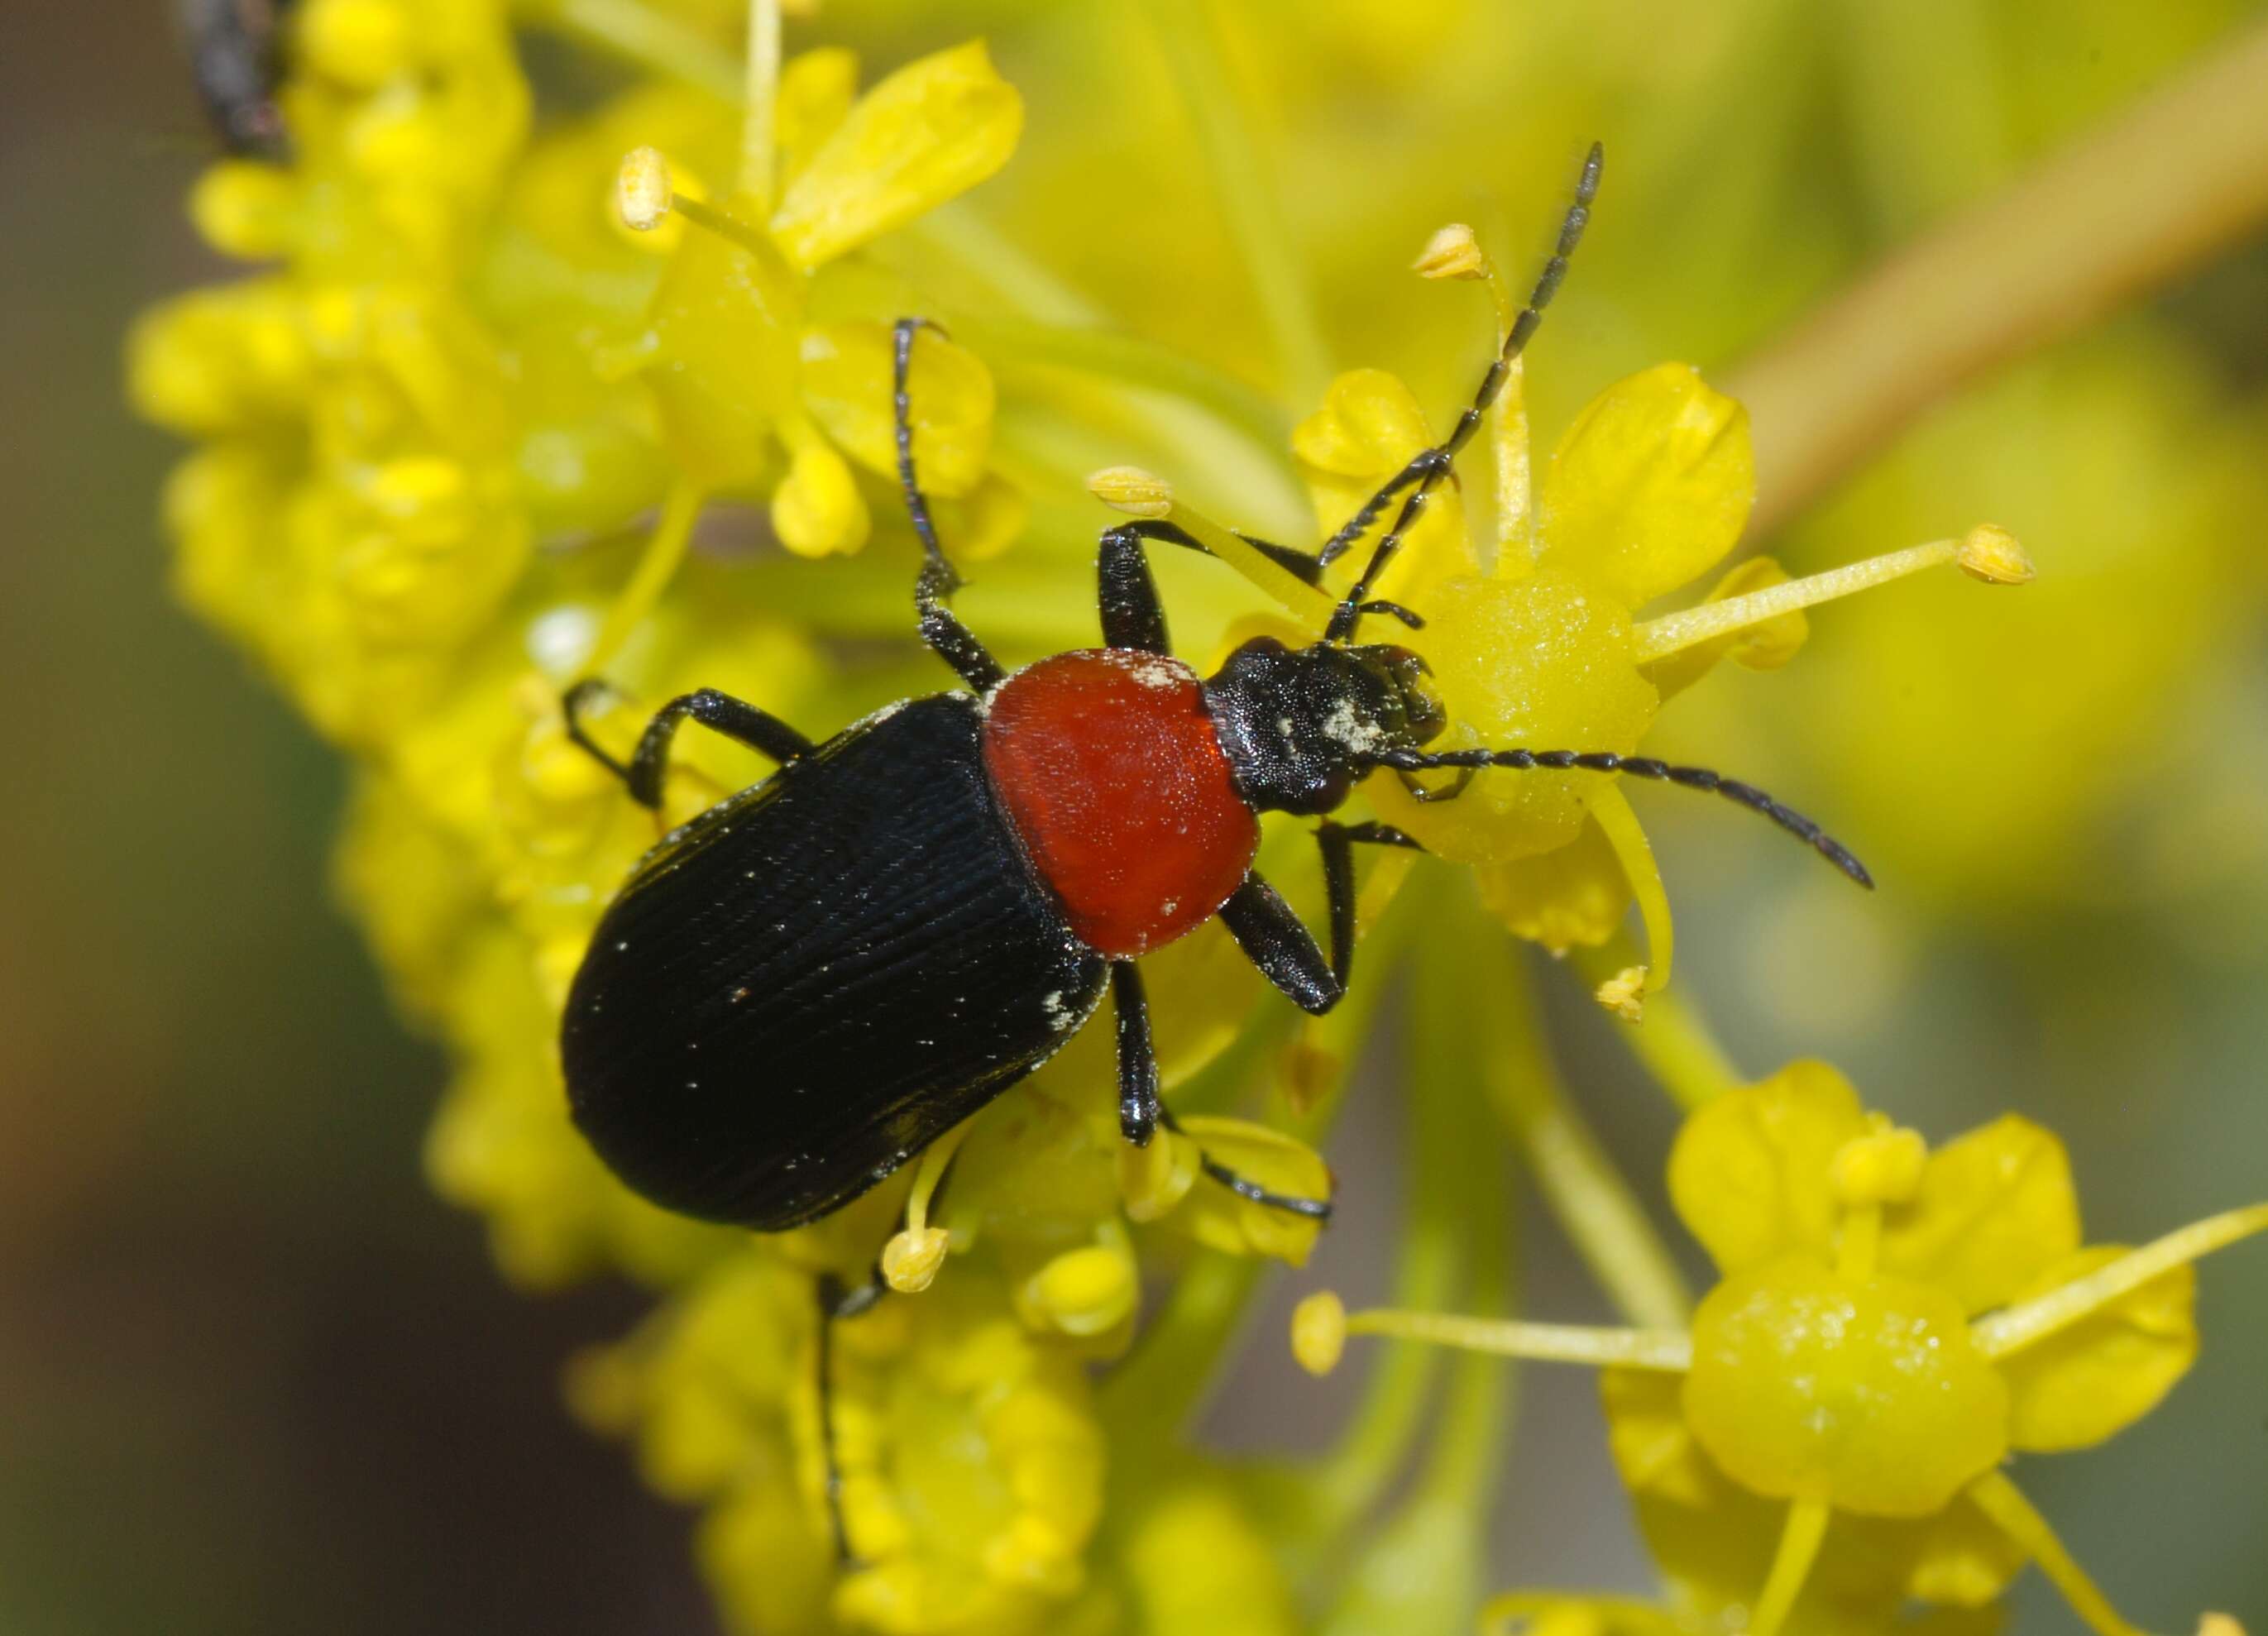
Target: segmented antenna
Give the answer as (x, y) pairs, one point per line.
(1646, 767)
(1430, 466)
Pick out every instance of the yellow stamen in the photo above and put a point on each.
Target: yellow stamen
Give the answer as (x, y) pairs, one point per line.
(643, 192)
(1131, 489)
(2018, 1327)
(910, 1260)
(1985, 552)
(1140, 493)
(1452, 252)
(1623, 994)
(1319, 1332)
(2013, 1515)
(665, 550)
(1670, 1350)
(1799, 1549)
(1612, 811)
(730, 227)
(758, 125)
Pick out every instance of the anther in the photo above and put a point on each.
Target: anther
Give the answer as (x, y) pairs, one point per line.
(644, 193)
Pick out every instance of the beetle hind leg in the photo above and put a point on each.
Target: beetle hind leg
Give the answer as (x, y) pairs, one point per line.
(837, 1300)
(1141, 1110)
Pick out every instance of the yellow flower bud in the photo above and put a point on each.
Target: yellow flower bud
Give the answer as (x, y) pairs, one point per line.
(359, 43)
(1083, 1292)
(244, 208)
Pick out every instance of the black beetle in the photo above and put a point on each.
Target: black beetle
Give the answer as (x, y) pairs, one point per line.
(803, 987)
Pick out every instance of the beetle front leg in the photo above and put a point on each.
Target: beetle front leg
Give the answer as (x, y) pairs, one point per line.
(940, 627)
(737, 719)
(1274, 939)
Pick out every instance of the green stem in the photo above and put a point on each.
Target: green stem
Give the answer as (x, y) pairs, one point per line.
(1187, 36)
(1585, 1194)
(645, 38)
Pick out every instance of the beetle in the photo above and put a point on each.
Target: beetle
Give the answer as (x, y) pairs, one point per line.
(804, 986)
(233, 57)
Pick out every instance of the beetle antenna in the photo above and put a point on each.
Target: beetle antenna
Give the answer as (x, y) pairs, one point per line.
(1646, 767)
(1430, 466)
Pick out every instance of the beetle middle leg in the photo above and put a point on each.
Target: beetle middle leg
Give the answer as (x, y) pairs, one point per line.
(1141, 1110)
(736, 718)
(940, 627)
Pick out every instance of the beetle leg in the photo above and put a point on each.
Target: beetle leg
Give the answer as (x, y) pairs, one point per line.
(1141, 1110)
(1132, 616)
(1138, 1106)
(1274, 939)
(760, 730)
(838, 1302)
(1338, 842)
(1244, 1186)
(951, 640)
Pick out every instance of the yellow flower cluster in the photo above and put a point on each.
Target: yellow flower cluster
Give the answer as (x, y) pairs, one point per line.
(1824, 1443)
(516, 399)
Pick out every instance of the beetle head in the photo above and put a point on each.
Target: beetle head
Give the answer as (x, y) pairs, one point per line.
(1301, 725)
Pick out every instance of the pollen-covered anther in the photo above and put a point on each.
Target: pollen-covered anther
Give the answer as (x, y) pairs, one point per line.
(1881, 1168)
(643, 192)
(911, 1258)
(1624, 993)
(1990, 553)
(1453, 252)
(1131, 489)
(1319, 1332)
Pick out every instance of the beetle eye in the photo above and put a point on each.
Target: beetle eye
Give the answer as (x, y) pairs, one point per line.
(1421, 706)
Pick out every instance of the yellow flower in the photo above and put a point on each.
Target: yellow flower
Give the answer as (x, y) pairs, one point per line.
(751, 389)
(1891, 1323)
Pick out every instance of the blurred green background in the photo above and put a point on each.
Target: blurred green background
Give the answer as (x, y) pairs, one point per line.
(254, 1378)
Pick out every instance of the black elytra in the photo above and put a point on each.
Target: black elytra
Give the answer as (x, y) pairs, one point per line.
(810, 982)
(802, 988)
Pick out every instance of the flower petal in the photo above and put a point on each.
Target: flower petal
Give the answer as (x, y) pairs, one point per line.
(1752, 1173)
(1651, 485)
(1223, 1220)
(933, 129)
(817, 90)
(847, 385)
(1368, 428)
(817, 508)
(1996, 1208)
(2108, 1370)
(1966, 1560)
(1766, 646)
(1575, 896)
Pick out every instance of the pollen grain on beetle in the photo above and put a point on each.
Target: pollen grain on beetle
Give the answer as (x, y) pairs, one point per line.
(636, 493)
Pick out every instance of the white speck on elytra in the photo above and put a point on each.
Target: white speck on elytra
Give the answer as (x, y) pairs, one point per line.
(1059, 1015)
